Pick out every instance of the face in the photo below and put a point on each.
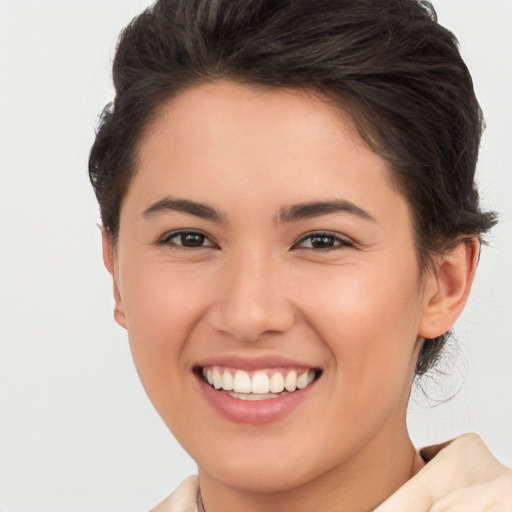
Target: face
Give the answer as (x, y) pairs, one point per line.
(262, 247)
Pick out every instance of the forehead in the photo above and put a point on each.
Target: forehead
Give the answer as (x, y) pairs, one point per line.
(225, 108)
(239, 141)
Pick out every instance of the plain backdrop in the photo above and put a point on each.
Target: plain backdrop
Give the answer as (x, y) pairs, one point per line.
(77, 433)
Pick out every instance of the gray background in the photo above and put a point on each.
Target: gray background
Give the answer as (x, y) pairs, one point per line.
(76, 430)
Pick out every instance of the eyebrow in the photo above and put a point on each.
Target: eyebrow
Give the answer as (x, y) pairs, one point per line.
(317, 208)
(184, 206)
(287, 214)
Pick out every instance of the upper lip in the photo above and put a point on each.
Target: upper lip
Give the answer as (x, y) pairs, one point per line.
(254, 363)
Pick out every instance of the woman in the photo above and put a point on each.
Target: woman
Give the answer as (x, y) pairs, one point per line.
(292, 226)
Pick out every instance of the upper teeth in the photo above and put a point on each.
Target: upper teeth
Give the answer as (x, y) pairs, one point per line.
(260, 382)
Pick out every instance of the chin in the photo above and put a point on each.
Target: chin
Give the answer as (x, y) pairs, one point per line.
(265, 467)
(267, 477)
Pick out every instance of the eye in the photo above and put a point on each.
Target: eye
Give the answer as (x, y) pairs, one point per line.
(186, 239)
(323, 241)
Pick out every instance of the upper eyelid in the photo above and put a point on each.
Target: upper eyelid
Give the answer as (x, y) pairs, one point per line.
(334, 234)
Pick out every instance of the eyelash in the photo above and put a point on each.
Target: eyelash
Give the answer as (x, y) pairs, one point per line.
(167, 239)
(336, 241)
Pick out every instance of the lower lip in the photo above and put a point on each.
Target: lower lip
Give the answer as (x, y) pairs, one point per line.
(254, 412)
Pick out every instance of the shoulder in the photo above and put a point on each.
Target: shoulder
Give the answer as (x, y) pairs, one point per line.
(464, 460)
(457, 472)
(183, 499)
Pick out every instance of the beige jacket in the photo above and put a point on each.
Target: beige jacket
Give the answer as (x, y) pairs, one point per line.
(462, 475)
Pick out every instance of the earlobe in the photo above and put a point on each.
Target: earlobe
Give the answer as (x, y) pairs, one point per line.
(108, 260)
(448, 286)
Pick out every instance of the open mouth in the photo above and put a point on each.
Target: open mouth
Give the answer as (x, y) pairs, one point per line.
(261, 384)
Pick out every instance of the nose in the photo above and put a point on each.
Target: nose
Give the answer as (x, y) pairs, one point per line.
(252, 300)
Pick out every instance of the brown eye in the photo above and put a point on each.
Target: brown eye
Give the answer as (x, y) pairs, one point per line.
(323, 242)
(192, 239)
(187, 239)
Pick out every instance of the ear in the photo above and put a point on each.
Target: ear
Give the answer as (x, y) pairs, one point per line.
(448, 286)
(109, 261)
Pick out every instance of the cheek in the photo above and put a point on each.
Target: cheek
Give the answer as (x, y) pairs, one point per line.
(162, 310)
(368, 317)
(369, 325)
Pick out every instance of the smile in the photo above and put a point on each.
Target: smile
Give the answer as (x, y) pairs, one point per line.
(256, 390)
(257, 385)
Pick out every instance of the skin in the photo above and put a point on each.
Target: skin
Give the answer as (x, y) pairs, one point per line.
(358, 310)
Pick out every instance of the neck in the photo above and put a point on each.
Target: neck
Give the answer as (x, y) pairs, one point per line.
(358, 484)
